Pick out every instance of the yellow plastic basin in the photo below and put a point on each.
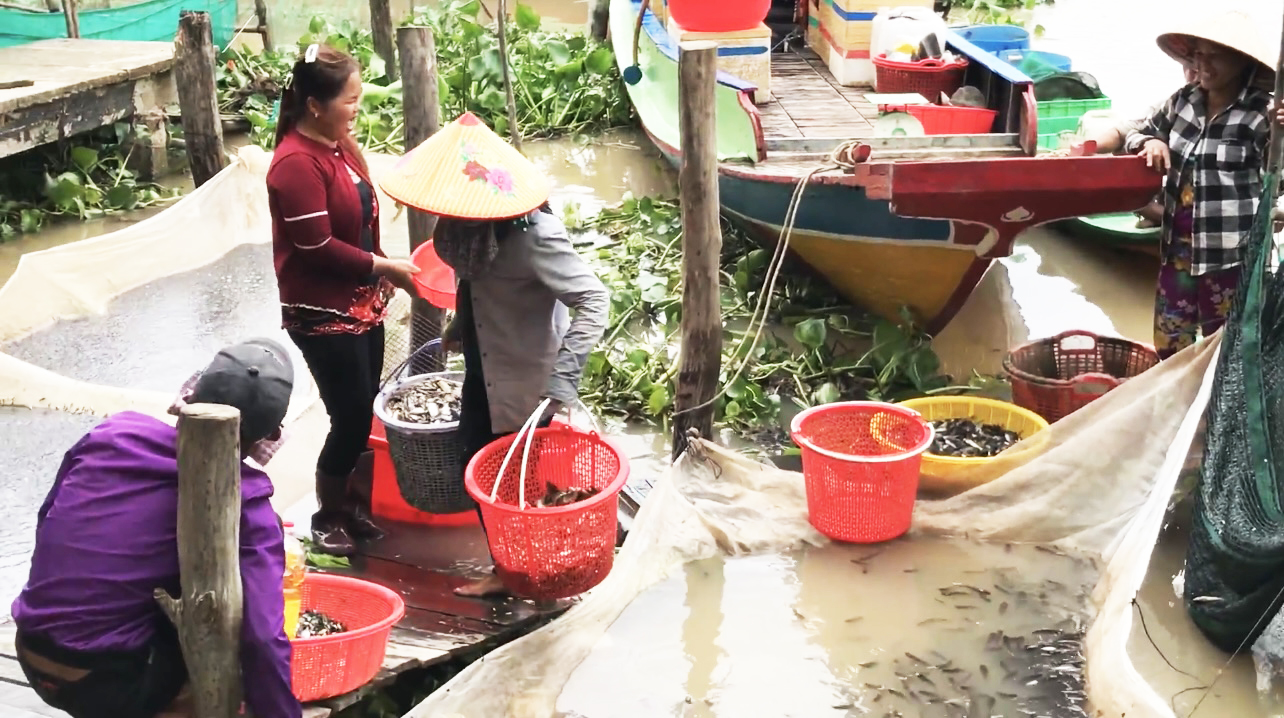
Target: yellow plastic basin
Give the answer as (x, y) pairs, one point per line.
(951, 474)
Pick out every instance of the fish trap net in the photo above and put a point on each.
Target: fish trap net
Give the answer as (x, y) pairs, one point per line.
(425, 456)
(1235, 560)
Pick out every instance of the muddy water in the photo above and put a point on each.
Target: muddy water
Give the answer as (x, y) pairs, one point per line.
(1185, 669)
(919, 628)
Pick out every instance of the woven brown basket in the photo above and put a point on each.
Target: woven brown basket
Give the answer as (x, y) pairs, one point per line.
(1057, 376)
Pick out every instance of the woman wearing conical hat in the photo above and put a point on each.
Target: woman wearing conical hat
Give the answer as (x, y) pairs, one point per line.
(516, 269)
(1209, 141)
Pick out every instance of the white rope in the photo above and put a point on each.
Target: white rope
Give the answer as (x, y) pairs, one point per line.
(839, 158)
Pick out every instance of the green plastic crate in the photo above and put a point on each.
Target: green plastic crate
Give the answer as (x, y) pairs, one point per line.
(1069, 109)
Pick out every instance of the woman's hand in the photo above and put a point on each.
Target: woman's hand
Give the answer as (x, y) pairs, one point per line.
(400, 272)
(1156, 154)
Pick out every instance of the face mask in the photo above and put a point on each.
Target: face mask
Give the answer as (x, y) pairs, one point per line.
(262, 451)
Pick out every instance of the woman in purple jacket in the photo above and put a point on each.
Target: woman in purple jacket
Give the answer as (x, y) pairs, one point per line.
(91, 639)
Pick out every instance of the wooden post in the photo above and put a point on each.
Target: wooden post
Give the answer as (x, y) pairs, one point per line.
(421, 110)
(514, 132)
(198, 96)
(701, 357)
(209, 612)
(381, 33)
(599, 19)
(73, 18)
(261, 13)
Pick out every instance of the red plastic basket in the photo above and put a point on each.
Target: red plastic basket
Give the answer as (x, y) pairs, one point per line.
(948, 120)
(860, 464)
(928, 78)
(553, 552)
(329, 666)
(1057, 376)
(435, 280)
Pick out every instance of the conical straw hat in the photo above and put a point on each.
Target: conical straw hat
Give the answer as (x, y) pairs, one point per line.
(1233, 29)
(467, 171)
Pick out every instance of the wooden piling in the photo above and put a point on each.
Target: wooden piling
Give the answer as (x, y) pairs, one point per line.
(381, 34)
(264, 30)
(422, 112)
(701, 356)
(72, 16)
(208, 614)
(599, 19)
(514, 132)
(198, 96)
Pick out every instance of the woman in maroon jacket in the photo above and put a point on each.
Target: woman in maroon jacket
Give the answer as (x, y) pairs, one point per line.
(334, 280)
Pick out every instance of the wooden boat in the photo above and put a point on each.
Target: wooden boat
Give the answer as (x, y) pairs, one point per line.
(149, 20)
(912, 221)
(1119, 231)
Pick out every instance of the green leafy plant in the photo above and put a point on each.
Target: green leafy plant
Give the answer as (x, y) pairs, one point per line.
(563, 82)
(86, 179)
(1000, 12)
(817, 349)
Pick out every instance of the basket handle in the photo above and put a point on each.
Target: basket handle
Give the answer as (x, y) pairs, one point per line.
(395, 373)
(1063, 338)
(1095, 383)
(529, 430)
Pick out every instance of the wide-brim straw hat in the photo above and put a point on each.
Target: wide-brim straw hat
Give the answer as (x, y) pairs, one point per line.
(466, 171)
(1234, 29)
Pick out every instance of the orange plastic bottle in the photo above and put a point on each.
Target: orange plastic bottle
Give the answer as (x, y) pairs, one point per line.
(292, 584)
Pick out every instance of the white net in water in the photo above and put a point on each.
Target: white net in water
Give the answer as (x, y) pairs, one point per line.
(1097, 484)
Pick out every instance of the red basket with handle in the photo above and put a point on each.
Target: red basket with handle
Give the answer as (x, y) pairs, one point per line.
(928, 78)
(550, 552)
(1057, 376)
(327, 666)
(861, 463)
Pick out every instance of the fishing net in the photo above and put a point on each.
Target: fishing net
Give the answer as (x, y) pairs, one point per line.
(1097, 482)
(1235, 563)
(1067, 86)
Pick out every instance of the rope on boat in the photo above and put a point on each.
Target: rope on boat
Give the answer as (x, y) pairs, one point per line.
(841, 158)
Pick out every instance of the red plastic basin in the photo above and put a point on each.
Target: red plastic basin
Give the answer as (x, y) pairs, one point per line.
(436, 280)
(715, 16)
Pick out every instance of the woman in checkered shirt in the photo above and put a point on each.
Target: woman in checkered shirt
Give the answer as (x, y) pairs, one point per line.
(1209, 140)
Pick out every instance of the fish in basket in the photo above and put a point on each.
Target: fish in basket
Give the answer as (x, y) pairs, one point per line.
(549, 500)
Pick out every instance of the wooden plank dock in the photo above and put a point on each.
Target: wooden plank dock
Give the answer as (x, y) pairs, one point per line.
(424, 565)
(63, 87)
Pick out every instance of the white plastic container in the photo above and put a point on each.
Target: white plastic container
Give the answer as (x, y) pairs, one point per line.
(897, 27)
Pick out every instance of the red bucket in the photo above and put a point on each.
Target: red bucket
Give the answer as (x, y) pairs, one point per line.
(551, 552)
(436, 280)
(861, 464)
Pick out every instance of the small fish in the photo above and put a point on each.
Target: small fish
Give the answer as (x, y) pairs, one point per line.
(985, 671)
(916, 659)
(929, 621)
(868, 664)
(1003, 608)
(1207, 599)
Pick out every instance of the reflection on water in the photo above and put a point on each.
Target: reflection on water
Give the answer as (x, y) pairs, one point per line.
(920, 627)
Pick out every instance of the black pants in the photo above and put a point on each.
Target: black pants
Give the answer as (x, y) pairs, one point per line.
(346, 368)
(117, 684)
